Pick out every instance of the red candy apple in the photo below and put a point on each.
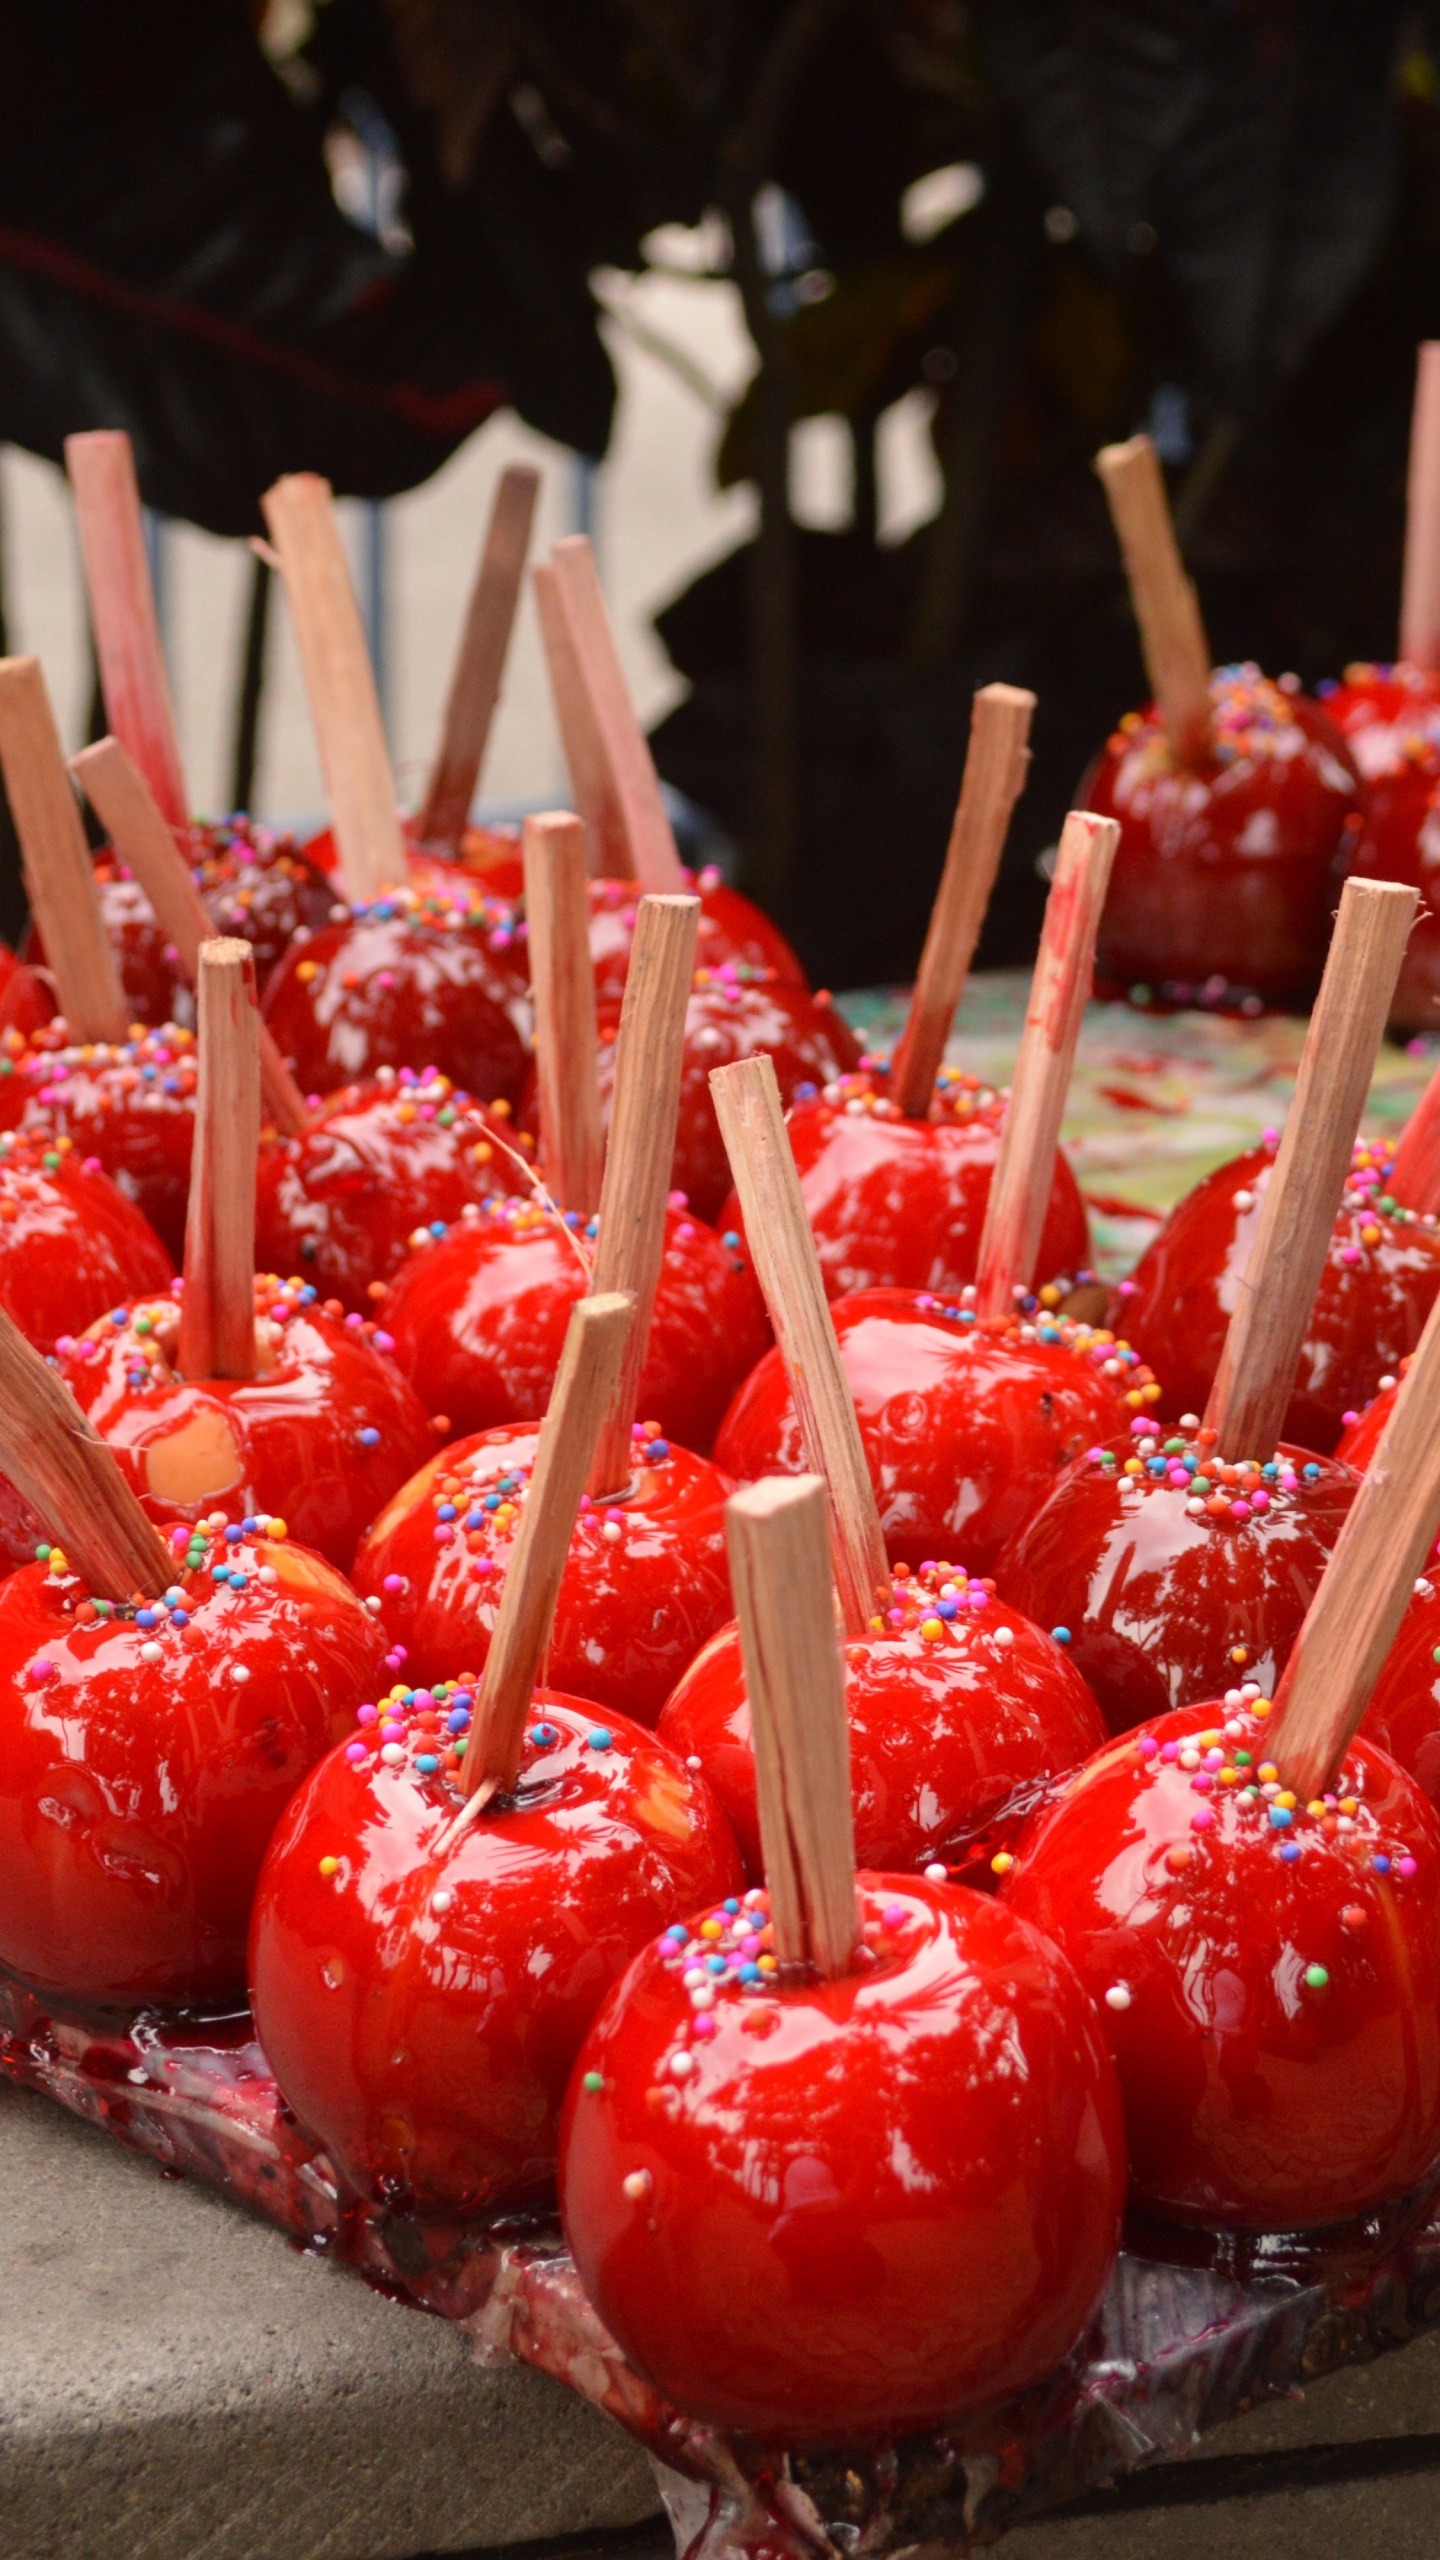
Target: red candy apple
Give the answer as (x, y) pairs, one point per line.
(966, 1426)
(327, 1425)
(478, 1317)
(896, 1203)
(415, 979)
(1175, 1574)
(343, 1201)
(1403, 1716)
(961, 1714)
(1380, 1278)
(736, 1012)
(148, 1751)
(1268, 1971)
(25, 1000)
(1390, 719)
(70, 1243)
(422, 2009)
(129, 1105)
(1224, 882)
(731, 930)
(645, 1580)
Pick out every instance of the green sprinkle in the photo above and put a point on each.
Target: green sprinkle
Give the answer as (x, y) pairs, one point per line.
(1243, 1759)
(593, 2081)
(1316, 1977)
(42, 1555)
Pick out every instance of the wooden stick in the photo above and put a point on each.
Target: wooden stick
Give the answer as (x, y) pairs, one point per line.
(340, 682)
(1355, 1615)
(752, 1124)
(777, 1537)
(591, 783)
(562, 979)
(122, 800)
(584, 1389)
(1420, 583)
(1415, 1180)
(644, 1107)
(217, 1312)
(68, 1475)
(480, 664)
(994, 777)
(1025, 1166)
(101, 466)
(59, 874)
(1172, 635)
(1262, 1344)
(626, 750)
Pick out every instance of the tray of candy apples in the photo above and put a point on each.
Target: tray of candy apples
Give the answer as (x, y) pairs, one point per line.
(776, 1816)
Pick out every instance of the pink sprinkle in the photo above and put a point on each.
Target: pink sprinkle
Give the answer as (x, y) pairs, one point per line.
(1147, 1746)
(355, 1752)
(1405, 1866)
(1169, 1750)
(1260, 1501)
(1240, 1510)
(704, 2025)
(894, 1915)
(482, 1565)
(1350, 1253)
(180, 1536)
(392, 1583)
(1202, 1819)
(1348, 1418)
(367, 1715)
(384, 1341)
(1202, 1782)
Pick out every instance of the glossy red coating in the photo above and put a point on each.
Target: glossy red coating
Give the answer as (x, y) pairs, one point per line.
(731, 1017)
(422, 2011)
(1269, 1988)
(1165, 1603)
(900, 1204)
(1360, 1439)
(130, 1105)
(645, 1583)
(1403, 1716)
(491, 855)
(416, 980)
(966, 1427)
(137, 1794)
(1381, 1276)
(342, 1202)
(479, 1317)
(858, 2206)
(292, 1441)
(731, 928)
(1390, 719)
(71, 1245)
(1225, 878)
(957, 1725)
(25, 1000)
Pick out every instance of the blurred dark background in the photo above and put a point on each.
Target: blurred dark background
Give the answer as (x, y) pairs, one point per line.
(1219, 219)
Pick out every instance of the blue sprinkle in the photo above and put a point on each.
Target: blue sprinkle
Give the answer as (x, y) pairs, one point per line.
(458, 1719)
(233, 1535)
(219, 1573)
(492, 1501)
(1311, 1472)
(1061, 1635)
(806, 1092)
(600, 1737)
(1381, 1864)
(426, 1763)
(967, 1315)
(118, 1316)
(446, 1510)
(678, 1932)
(543, 1734)
(732, 1906)
(1281, 1817)
(947, 1608)
(147, 1617)
(249, 1524)
(730, 1238)
(714, 1964)
(370, 1439)
(462, 1698)
(179, 1617)
(238, 1581)
(474, 1519)
(1289, 1852)
(437, 1226)
(751, 1973)
(657, 1450)
(1156, 1466)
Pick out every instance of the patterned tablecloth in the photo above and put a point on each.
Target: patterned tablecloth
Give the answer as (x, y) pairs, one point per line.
(1157, 1099)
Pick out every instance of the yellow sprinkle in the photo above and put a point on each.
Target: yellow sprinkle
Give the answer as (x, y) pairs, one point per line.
(769, 1964)
(932, 1629)
(709, 1928)
(482, 1152)
(329, 1866)
(1049, 1295)
(1001, 1863)
(1267, 1772)
(1316, 1807)
(1134, 1397)
(1349, 1804)
(1287, 1799)
(277, 1529)
(306, 970)
(1133, 1467)
(1369, 1235)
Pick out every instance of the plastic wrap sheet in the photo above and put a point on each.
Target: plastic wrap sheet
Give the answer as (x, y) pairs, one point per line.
(1188, 2334)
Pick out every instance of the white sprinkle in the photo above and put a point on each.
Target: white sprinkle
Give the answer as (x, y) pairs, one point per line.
(702, 1997)
(1119, 1996)
(439, 1902)
(1424, 1590)
(1196, 1504)
(150, 1653)
(1246, 1199)
(1004, 1635)
(1189, 1759)
(372, 1603)
(267, 1573)
(239, 1672)
(1384, 1383)
(694, 1761)
(638, 2185)
(393, 1755)
(937, 1874)
(611, 1531)
(1189, 1421)
(693, 1976)
(681, 2066)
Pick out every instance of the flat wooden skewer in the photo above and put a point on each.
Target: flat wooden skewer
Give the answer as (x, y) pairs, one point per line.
(623, 743)
(1025, 1166)
(1172, 635)
(59, 874)
(340, 683)
(217, 1311)
(752, 1124)
(776, 1533)
(591, 782)
(994, 777)
(562, 978)
(122, 800)
(70, 1478)
(644, 1107)
(101, 466)
(1420, 582)
(1415, 1177)
(1355, 1615)
(480, 665)
(1262, 1344)
(584, 1389)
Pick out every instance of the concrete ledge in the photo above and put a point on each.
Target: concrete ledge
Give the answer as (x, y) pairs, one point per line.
(177, 2382)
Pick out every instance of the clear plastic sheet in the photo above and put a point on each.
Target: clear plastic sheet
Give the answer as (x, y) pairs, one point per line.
(1192, 2330)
